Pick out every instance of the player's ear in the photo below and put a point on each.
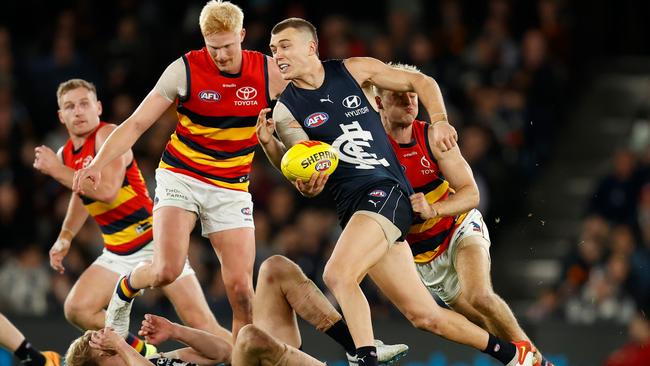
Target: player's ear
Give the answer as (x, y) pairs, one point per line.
(242, 35)
(100, 108)
(58, 113)
(378, 100)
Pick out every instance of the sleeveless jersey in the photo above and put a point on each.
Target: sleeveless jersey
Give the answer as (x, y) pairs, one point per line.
(339, 114)
(126, 223)
(428, 238)
(215, 138)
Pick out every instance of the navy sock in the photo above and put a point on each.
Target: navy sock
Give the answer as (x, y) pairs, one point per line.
(502, 351)
(367, 356)
(28, 355)
(341, 334)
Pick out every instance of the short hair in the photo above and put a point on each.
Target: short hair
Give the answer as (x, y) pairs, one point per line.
(72, 84)
(397, 65)
(297, 23)
(80, 353)
(220, 16)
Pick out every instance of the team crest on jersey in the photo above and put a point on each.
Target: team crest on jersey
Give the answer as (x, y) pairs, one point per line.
(316, 119)
(209, 96)
(352, 144)
(377, 193)
(86, 161)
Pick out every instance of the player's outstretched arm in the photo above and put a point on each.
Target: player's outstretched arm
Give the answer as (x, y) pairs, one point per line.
(122, 138)
(204, 348)
(367, 70)
(74, 219)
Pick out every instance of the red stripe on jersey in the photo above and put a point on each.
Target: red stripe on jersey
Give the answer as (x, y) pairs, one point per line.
(217, 145)
(233, 172)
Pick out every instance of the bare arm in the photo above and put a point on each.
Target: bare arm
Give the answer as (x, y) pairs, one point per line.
(205, 348)
(106, 340)
(459, 175)
(289, 131)
(369, 71)
(74, 219)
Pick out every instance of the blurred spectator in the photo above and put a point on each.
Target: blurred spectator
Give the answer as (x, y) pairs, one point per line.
(27, 283)
(615, 195)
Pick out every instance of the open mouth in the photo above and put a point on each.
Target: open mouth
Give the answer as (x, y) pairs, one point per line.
(283, 67)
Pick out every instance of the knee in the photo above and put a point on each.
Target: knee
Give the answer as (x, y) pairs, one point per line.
(252, 340)
(74, 309)
(483, 301)
(336, 278)
(276, 268)
(426, 320)
(166, 274)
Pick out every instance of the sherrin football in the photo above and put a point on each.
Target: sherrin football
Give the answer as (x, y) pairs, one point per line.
(309, 157)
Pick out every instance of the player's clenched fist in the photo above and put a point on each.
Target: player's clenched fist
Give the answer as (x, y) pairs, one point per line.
(90, 173)
(422, 207)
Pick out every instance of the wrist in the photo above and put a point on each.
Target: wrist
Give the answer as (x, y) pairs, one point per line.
(439, 120)
(434, 210)
(66, 235)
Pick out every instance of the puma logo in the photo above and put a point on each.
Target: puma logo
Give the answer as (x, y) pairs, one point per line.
(374, 203)
(323, 100)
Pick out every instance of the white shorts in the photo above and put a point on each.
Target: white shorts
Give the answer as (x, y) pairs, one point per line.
(440, 274)
(218, 208)
(123, 264)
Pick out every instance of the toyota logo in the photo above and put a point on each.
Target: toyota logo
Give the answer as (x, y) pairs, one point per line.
(246, 93)
(351, 101)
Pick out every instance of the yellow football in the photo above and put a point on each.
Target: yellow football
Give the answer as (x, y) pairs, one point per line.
(309, 157)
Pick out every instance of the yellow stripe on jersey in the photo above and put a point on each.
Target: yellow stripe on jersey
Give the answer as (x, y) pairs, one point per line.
(427, 257)
(231, 133)
(208, 160)
(99, 207)
(435, 195)
(127, 234)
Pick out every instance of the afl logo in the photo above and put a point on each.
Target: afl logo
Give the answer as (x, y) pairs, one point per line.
(209, 96)
(316, 119)
(377, 193)
(246, 93)
(323, 165)
(246, 211)
(351, 101)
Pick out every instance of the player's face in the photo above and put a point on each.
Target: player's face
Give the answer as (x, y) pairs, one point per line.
(225, 50)
(400, 108)
(291, 50)
(79, 111)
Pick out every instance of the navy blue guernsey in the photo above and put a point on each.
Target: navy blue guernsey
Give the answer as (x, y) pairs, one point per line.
(339, 114)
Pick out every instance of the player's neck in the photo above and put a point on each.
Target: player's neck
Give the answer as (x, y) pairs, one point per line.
(78, 141)
(402, 134)
(313, 78)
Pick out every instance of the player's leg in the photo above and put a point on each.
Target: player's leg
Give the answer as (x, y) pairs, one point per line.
(13, 340)
(412, 298)
(84, 305)
(235, 249)
(189, 301)
(256, 347)
(361, 245)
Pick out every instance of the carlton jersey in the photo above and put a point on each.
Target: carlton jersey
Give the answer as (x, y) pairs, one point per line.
(428, 238)
(339, 114)
(215, 138)
(126, 223)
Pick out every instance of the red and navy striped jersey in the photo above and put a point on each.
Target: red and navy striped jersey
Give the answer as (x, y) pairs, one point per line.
(427, 238)
(125, 223)
(215, 138)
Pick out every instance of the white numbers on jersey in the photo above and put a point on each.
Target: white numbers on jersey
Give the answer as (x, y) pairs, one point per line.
(351, 144)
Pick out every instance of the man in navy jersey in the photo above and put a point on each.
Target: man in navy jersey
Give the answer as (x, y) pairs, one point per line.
(449, 240)
(325, 102)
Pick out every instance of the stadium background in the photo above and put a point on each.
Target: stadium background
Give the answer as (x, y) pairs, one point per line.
(550, 99)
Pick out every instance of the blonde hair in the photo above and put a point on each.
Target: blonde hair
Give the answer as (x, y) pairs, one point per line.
(79, 352)
(400, 66)
(220, 16)
(72, 84)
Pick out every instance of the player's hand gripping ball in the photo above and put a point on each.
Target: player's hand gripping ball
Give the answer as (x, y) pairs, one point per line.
(309, 157)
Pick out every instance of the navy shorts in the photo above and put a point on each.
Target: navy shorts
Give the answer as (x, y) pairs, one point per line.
(387, 199)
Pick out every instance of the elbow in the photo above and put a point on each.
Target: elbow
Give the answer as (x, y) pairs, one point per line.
(107, 197)
(475, 198)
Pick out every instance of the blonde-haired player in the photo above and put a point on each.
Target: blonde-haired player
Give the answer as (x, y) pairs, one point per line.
(204, 171)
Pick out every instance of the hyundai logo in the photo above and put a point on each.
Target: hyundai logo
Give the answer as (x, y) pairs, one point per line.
(246, 93)
(351, 101)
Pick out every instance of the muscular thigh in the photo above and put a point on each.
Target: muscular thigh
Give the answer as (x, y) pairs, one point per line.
(171, 233)
(94, 288)
(472, 265)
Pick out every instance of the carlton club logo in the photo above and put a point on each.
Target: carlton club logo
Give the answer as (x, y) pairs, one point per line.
(209, 96)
